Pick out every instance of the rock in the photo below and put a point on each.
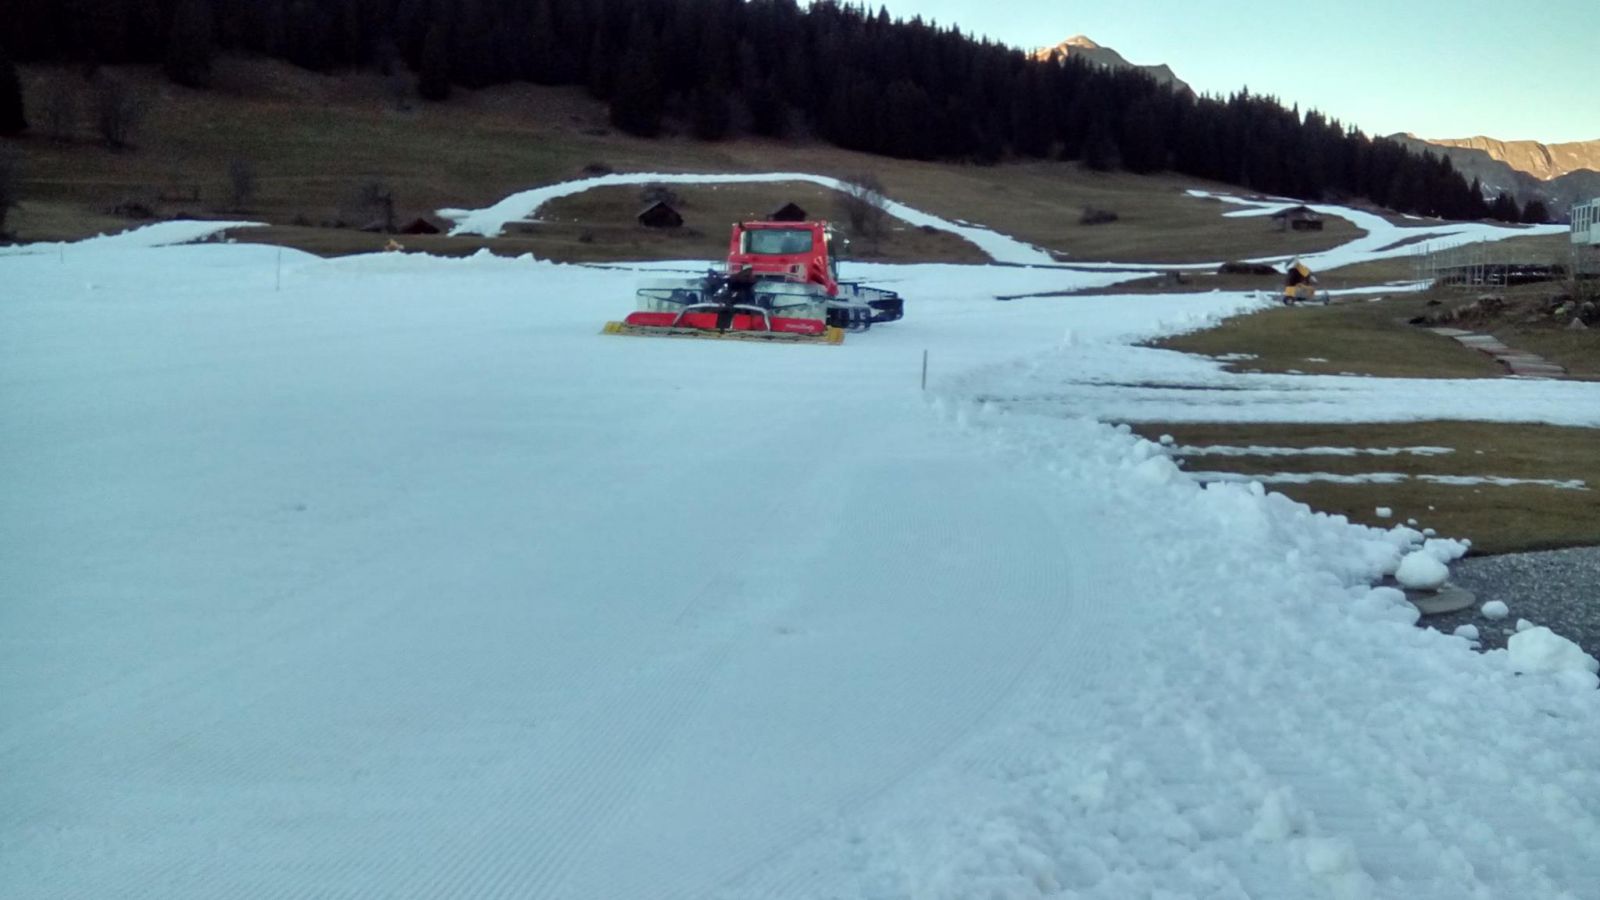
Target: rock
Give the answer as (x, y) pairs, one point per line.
(1577, 325)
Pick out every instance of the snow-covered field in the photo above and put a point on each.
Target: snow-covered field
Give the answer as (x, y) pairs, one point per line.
(403, 581)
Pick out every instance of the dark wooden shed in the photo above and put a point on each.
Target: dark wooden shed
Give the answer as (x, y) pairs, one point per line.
(789, 212)
(1298, 218)
(660, 214)
(419, 225)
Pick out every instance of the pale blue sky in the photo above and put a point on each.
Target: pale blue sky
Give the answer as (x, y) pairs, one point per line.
(1439, 68)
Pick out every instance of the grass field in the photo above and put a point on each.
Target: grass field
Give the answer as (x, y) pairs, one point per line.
(1497, 519)
(1366, 338)
(314, 139)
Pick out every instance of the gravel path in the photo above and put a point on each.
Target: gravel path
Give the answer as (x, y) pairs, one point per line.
(1559, 589)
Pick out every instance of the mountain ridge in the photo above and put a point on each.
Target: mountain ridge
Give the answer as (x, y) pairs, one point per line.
(1541, 160)
(1557, 175)
(1081, 46)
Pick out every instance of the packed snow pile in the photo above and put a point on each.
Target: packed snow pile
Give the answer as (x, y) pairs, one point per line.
(159, 234)
(1495, 610)
(404, 581)
(1538, 649)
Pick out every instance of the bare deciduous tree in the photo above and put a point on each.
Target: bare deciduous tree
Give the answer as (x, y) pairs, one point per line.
(372, 206)
(8, 191)
(118, 110)
(60, 110)
(400, 89)
(864, 206)
(241, 182)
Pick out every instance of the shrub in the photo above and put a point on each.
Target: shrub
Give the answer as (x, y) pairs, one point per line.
(864, 206)
(1094, 216)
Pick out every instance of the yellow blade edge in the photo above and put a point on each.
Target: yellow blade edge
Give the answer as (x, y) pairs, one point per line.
(831, 335)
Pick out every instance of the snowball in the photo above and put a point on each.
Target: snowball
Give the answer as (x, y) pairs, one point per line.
(1541, 650)
(1385, 604)
(1330, 856)
(1157, 470)
(1167, 440)
(1523, 624)
(1429, 532)
(1470, 632)
(1495, 609)
(1444, 549)
(1383, 512)
(1413, 524)
(1276, 820)
(1421, 570)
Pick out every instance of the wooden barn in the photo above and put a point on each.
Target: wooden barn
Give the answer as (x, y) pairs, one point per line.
(789, 212)
(419, 225)
(660, 214)
(1298, 218)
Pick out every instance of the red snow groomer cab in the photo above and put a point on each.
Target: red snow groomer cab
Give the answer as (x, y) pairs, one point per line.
(781, 283)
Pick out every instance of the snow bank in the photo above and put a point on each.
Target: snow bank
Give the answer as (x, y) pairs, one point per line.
(1142, 384)
(1538, 649)
(160, 234)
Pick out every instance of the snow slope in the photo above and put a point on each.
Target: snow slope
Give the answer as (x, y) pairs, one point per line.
(159, 234)
(1141, 384)
(403, 581)
(1383, 239)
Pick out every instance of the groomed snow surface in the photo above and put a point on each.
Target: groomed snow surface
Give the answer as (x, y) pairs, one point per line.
(405, 582)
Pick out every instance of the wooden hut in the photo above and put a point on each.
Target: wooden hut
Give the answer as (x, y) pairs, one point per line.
(660, 214)
(789, 212)
(419, 225)
(1298, 218)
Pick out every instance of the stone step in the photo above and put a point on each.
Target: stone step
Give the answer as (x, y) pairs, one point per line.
(1521, 363)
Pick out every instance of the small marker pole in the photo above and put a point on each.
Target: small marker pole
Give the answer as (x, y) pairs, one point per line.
(278, 283)
(924, 369)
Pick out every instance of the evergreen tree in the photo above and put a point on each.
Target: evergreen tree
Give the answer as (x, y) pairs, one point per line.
(1535, 213)
(1143, 142)
(1505, 208)
(1100, 148)
(636, 97)
(12, 120)
(769, 114)
(908, 122)
(190, 44)
(849, 73)
(602, 68)
(712, 113)
(433, 81)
